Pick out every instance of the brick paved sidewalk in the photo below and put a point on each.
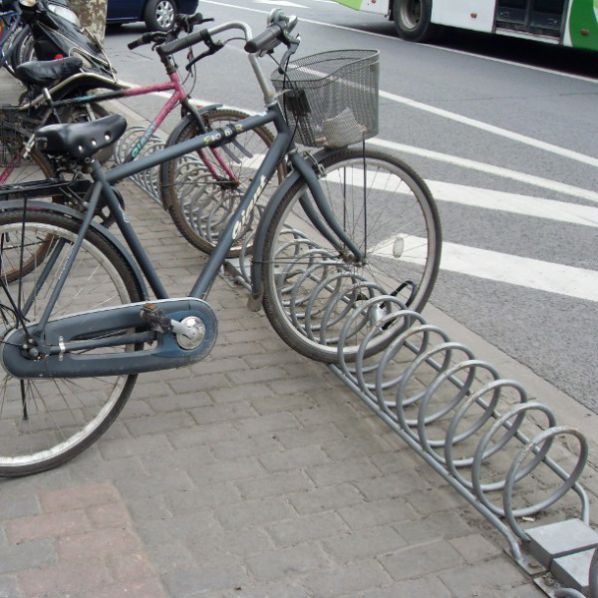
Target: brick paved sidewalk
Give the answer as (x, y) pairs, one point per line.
(254, 473)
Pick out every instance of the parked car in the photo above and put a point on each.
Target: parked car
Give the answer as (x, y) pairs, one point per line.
(157, 14)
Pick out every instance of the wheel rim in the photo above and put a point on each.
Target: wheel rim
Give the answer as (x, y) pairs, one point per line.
(410, 13)
(316, 291)
(41, 420)
(165, 14)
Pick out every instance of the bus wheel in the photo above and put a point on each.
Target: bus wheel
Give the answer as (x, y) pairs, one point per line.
(412, 19)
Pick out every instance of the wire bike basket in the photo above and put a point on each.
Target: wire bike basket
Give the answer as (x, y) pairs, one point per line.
(331, 98)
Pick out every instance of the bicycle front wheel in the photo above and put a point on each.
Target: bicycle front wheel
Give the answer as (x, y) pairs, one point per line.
(45, 422)
(312, 284)
(202, 190)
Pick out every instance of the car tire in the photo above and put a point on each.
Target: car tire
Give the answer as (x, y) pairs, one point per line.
(159, 14)
(412, 19)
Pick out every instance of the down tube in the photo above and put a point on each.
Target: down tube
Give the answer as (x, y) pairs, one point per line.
(264, 173)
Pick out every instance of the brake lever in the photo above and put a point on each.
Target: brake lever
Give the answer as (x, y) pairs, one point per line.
(213, 47)
(293, 44)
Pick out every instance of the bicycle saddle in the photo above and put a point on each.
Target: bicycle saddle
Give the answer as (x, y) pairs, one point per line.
(81, 140)
(45, 72)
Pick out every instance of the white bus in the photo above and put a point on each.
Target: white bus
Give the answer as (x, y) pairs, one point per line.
(572, 23)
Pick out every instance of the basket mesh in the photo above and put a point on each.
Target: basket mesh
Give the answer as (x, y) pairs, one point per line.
(331, 98)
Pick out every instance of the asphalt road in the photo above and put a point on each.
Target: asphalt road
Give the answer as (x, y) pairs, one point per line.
(504, 131)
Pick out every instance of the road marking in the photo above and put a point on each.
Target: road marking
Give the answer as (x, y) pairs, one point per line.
(515, 203)
(579, 283)
(478, 124)
(466, 163)
(280, 3)
(514, 175)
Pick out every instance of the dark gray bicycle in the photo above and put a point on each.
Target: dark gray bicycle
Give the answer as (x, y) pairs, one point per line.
(78, 323)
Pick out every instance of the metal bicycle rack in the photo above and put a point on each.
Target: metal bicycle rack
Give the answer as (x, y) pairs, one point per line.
(477, 430)
(147, 180)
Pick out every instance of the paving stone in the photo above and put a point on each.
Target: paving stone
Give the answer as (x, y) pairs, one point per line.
(364, 446)
(434, 500)
(222, 471)
(495, 574)
(254, 512)
(8, 586)
(202, 435)
(170, 556)
(274, 484)
(445, 525)
(474, 548)
(180, 502)
(178, 529)
(243, 392)
(143, 588)
(47, 525)
(353, 578)
(193, 582)
(17, 505)
(282, 589)
(392, 485)
(318, 435)
(223, 545)
(378, 512)
(138, 446)
(292, 459)
(287, 563)
(165, 423)
(223, 413)
(257, 445)
(131, 566)
(363, 543)
(36, 553)
(181, 401)
(65, 578)
(296, 403)
(198, 383)
(426, 586)
(307, 528)
(343, 471)
(273, 422)
(78, 496)
(413, 562)
(109, 515)
(325, 499)
(97, 544)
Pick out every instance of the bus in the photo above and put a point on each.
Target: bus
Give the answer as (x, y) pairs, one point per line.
(571, 23)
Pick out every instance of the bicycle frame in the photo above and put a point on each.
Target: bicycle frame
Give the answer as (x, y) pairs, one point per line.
(102, 188)
(179, 96)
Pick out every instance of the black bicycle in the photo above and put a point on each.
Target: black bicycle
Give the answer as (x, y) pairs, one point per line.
(78, 321)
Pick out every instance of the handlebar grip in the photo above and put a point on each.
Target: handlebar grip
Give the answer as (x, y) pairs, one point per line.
(266, 40)
(140, 41)
(181, 44)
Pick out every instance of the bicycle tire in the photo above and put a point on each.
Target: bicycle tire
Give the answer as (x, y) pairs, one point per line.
(311, 288)
(200, 206)
(46, 422)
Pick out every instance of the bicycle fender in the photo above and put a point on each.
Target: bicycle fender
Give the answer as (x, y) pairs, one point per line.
(43, 206)
(260, 235)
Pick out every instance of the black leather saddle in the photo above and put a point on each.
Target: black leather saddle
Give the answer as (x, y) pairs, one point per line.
(44, 73)
(81, 140)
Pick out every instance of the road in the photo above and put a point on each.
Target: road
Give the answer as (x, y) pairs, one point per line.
(505, 133)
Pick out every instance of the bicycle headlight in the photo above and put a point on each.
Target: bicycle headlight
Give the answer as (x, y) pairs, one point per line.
(28, 3)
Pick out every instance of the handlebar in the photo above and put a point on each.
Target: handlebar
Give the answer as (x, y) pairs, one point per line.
(182, 23)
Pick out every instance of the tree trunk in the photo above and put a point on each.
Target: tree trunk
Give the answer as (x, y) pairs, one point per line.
(92, 14)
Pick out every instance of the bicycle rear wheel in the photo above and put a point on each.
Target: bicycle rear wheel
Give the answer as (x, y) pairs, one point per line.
(45, 422)
(313, 286)
(200, 202)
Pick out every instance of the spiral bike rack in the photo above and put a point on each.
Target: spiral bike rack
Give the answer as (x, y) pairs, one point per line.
(479, 431)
